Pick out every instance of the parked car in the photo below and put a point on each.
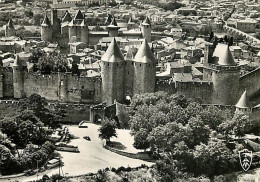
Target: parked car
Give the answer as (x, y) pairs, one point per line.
(53, 163)
(66, 147)
(87, 138)
(29, 172)
(82, 124)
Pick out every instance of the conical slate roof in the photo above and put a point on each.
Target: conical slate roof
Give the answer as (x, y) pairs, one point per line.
(113, 23)
(244, 101)
(109, 19)
(83, 23)
(225, 57)
(72, 23)
(17, 62)
(144, 54)
(10, 24)
(67, 17)
(113, 53)
(79, 16)
(147, 21)
(46, 21)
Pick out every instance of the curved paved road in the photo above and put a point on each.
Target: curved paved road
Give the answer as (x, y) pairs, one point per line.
(91, 158)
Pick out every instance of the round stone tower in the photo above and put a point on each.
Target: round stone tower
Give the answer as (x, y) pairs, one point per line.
(144, 70)
(112, 73)
(46, 31)
(84, 32)
(129, 71)
(55, 21)
(225, 76)
(113, 28)
(146, 29)
(72, 29)
(9, 29)
(18, 78)
(65, 24)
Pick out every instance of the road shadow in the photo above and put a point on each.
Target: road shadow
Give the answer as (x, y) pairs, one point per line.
(117, 145)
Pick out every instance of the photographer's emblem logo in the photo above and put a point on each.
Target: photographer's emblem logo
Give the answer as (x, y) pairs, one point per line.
(245, 157)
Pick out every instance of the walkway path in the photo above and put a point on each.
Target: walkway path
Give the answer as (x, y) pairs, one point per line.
(91, 158)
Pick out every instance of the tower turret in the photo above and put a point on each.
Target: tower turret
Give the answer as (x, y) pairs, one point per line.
(18, 78)
(65, 24)
(129, 71)
(145, 69)
(112, 73)
(244, 104)
(72, 29)
(225, 76)
(146, 29)
(130, 23)
(46, 31)
(56, 28)
(113, 28)
(9, 29)
(109, 19)
(84, 32)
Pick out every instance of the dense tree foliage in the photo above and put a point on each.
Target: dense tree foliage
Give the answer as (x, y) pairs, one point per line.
(23, 33)
(26, 131)
(31, 155)
(54, 62)
(47, 63)
(37, 104)
(107, 129)
(238, 125)
(25, 128)
(179, 131)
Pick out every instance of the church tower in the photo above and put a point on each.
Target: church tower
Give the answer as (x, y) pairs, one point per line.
(225, 76)
(46, 31)
(9, 29)
(18, 78)
(113, 28)
(112, 73)
(145, 69)
(146, 29)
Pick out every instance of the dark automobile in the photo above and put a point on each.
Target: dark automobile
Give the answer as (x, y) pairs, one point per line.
(87, 138)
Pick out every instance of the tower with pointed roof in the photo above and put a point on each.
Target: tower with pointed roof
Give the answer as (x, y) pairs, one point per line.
(146, 29)
(46, 30)
(131, 23)
(113, 70)
(129, 71)
(9, 29)
(84, 33)
(18, 78)
(66, 19)
(224, 73)
(244, 105)
(144, 70)
(56, 28)
(78, 28)
(113, 28)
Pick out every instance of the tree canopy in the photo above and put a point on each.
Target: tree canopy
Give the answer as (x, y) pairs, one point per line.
(107, 129)
(178, 130)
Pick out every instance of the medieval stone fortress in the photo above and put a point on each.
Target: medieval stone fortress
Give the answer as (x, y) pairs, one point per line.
(175, 85)
(120, 59)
